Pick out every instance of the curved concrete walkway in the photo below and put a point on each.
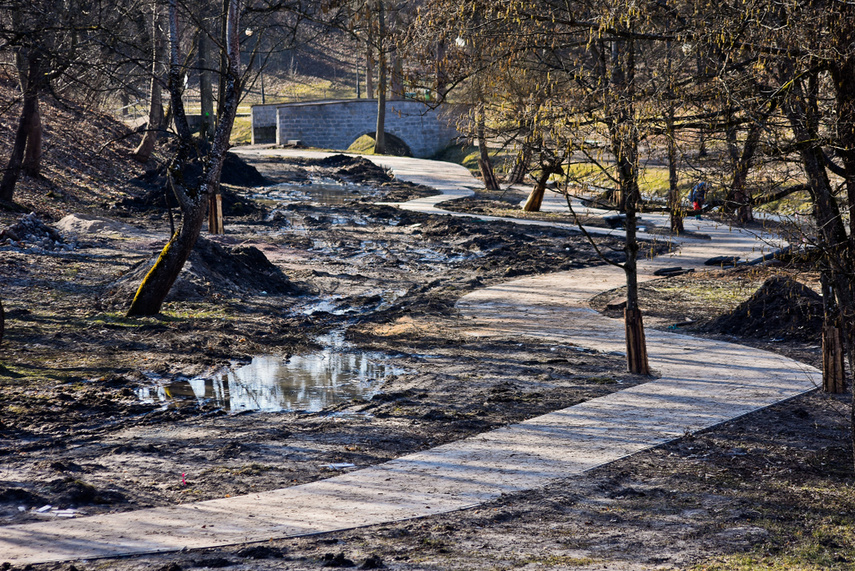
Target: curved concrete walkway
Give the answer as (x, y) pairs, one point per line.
(734, 380)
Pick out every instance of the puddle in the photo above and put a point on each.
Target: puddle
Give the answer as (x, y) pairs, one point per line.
(301, 383)
(325, 193)
(369, 302)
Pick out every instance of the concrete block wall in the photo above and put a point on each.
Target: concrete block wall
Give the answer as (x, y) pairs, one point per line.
(336, 124)
(263, 124)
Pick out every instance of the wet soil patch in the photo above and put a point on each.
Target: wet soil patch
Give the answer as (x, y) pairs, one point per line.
(340, 168)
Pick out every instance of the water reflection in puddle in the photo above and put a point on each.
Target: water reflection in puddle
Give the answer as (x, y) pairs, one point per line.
(305, 383)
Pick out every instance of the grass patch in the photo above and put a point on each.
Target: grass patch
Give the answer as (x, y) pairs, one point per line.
(723, 295)
(242, 131)
(396, 147)
(466, 155)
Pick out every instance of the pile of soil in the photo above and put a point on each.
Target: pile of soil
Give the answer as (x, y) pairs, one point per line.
(350, 168)
(211, 272)
(238, 172)
(781, 309)
(157, 194)
(158, 197)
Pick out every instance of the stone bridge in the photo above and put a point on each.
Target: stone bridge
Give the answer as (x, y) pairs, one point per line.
(337, 124)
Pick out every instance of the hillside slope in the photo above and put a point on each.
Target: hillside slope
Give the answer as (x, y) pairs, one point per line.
(86, 159)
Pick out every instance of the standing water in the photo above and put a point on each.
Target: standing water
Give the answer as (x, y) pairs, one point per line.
(304, 383)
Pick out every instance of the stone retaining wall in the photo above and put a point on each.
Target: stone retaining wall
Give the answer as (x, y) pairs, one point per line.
(336, 124)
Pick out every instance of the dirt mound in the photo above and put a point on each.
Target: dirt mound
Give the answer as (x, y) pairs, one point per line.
(214, 269)
(157, 195)
(69, 491)
(356, 169)
(86, 224)
(781, 309)
(238, 172)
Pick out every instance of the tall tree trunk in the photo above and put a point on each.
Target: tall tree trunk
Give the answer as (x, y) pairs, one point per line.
(674, 205)
(671, 143)
(833, 369)
(380, 131)
(441, 85)
(369, 74)
(193, 192)
(535, 197)
(33, 154)
(484, 162)
(838, 255)
(522, 160)
(636, 345)
(625, 147)
(25, 127)
(206, 88)
(155, 109)
(844, 76)
(738, 198)
(396, 86)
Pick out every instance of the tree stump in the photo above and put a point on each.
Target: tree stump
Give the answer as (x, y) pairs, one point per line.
(215, 214)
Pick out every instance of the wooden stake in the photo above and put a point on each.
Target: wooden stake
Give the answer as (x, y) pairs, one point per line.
(215, 214)
(833, 370)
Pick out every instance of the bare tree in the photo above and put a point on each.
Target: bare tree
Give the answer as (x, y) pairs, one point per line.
(155, 108)
(194, 178)
(583, 58)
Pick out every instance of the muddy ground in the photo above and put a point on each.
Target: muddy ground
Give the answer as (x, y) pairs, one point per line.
(76, 434)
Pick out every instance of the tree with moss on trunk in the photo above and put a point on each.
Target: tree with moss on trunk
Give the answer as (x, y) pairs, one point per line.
(193, 178)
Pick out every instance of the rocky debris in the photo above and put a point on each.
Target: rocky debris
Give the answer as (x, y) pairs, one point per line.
(31, 231)
(373, 562)
(723, 261)
(337, 560)
(672, 271)
(781, 309)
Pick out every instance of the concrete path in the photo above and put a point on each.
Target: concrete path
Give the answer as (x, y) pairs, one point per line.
(734, 380)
